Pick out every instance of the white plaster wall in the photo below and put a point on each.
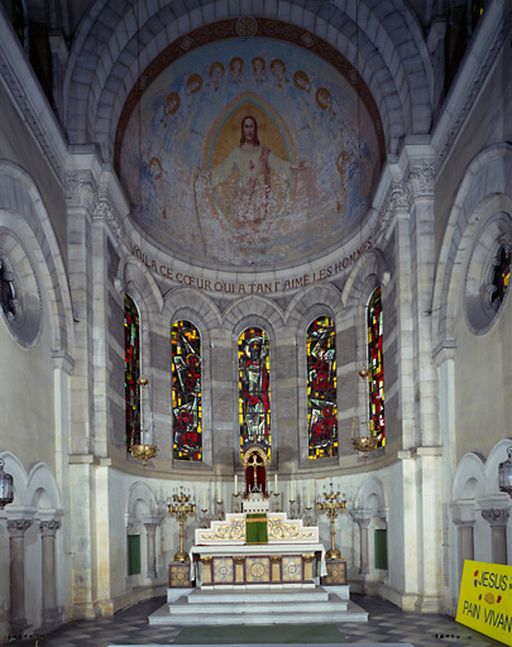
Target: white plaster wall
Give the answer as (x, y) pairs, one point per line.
(17, 145)
(26, 398)
(489, 122)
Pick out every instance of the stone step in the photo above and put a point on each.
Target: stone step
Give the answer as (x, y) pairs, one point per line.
(333, 606)
(277, 596)
(353, 613)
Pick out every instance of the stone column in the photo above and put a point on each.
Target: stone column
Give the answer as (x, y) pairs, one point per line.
(50, 612)
(497, 519)
(151, 549)
(364, 564)
(16, 528)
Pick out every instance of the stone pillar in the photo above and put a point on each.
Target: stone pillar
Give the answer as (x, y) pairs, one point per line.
(50, 612)
(497, 519)
(151, 549)
(364, 564)
(16, 528)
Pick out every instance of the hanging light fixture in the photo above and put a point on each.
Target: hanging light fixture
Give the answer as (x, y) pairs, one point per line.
(146, 448)
(362, 444)
(505, 474)
(6, 487)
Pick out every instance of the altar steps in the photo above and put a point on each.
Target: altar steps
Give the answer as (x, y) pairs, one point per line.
(259, 607)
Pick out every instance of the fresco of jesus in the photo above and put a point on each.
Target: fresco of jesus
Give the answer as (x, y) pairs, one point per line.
(262, 178)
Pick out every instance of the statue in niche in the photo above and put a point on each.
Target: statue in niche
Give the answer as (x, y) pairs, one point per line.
(255, 464)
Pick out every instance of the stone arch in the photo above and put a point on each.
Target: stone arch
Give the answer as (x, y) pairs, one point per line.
(140, 497)
(22, 211)
(42, 488)
(488, 176)
(470, 470)
(370, 496)
(318, 295)
(389, 35)
(190, 300)
(253, 308)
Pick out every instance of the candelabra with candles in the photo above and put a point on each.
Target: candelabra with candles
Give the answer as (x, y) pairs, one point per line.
(181, 506)
(143, 450)
(332, 505)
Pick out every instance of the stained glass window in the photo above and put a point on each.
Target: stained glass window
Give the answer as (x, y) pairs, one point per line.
(186, 396)
(8, 301)
(131, 370)
(375, 368)
(254, 390)
(500, 277)
(321, 389)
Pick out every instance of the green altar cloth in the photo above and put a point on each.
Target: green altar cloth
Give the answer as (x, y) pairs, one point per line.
(256, 531)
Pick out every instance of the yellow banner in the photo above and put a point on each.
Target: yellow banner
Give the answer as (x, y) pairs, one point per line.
(485, 600)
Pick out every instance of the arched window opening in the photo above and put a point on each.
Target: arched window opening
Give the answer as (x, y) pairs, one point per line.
(321, 389)
(186, 393)
(132, 365)
(254, 390)
(375, 368)
(500, 277)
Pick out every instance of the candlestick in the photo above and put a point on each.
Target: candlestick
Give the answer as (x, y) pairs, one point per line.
(181, 506)
(333, 505)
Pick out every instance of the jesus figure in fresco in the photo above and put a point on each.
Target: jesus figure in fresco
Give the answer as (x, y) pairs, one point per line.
(258, 173)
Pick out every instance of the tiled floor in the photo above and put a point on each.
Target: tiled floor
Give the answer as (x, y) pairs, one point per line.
(386, 624)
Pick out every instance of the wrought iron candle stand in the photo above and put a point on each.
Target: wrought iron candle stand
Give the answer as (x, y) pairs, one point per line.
(332, 506)
(181, 506)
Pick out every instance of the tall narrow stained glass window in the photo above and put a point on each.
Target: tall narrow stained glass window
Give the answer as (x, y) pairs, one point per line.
(375, 368)
(321, 389)
(186, 394)
(131, 371)
(254, 390)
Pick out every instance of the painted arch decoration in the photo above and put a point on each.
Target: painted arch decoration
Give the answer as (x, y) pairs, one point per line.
(186, 392)
(322, 389)
(254, 391)
(255, 150)
(376, 419)
(132, 364)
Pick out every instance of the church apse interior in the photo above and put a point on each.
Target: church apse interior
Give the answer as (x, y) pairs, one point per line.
(254, 257)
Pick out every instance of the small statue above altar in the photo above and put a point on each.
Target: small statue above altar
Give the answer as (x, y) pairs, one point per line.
(255, 464)
(256, 498)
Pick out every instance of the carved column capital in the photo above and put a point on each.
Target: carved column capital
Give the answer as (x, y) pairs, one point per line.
(496, 516)
(81, 189)
(105, 211)
(17, 527)
(151, 528)
(49, 528)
